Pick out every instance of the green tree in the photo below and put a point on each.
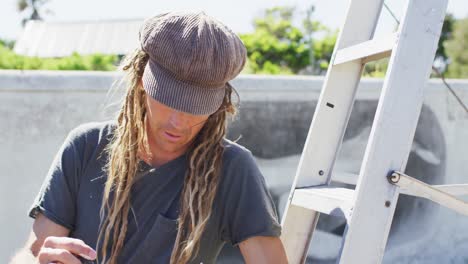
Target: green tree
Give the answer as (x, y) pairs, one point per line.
(276, 45)
(376, 69)
(279, 47)
(320, 50)
(446, 34)
(323, 51)
(457, 50)
(379, 68)
(7, 43)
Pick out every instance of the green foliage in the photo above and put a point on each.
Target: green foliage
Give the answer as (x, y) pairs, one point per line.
(379, 68)
(457, 50)
(7, 43)
(279, 47)
(376, 69)
(446, 34)
(95, 62)
(323, 51)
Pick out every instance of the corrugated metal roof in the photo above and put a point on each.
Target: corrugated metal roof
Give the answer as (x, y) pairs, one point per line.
(55, 39)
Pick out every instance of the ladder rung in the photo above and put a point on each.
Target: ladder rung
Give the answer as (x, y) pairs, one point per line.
(370, 50)
(325, 199)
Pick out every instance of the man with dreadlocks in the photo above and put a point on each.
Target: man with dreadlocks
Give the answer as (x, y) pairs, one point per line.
(161, 183)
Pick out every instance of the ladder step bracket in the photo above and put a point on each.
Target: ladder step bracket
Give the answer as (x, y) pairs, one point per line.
(367, 51)
(414, 187)
(325, 199)
(453, 189)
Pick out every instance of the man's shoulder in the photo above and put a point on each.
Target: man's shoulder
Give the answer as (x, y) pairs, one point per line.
(94, 132)
(239, 168)
(238, 158)
(234, 150)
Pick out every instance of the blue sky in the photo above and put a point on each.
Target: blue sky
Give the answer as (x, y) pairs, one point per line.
(236, 14)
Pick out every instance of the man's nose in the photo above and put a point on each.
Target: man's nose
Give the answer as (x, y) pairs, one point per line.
(178, 119)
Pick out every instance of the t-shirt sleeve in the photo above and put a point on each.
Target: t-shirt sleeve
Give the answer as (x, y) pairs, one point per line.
(249, 209)
(57, 196)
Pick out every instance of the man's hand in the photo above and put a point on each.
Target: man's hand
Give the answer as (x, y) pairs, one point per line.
(64, 250)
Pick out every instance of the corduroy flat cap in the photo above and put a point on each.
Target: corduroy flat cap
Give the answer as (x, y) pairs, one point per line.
(192, 56)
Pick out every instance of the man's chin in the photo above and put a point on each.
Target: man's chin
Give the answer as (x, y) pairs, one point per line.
(173, 147)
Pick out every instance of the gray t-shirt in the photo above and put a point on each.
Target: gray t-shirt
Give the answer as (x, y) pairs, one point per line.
(72, 192)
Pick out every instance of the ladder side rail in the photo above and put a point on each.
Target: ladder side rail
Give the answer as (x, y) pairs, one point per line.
(329, 123)
(336, 99)
(392, 131)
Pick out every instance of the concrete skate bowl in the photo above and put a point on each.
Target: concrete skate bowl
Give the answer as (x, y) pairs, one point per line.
(276, 131)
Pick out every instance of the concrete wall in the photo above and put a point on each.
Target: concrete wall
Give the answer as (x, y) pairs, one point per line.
(37, 109)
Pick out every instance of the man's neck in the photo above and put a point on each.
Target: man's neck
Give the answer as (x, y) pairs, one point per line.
(161, 158)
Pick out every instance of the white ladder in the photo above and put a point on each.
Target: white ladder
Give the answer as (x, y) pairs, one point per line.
(370, 207)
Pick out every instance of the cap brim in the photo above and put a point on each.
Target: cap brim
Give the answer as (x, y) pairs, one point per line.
(161, 85)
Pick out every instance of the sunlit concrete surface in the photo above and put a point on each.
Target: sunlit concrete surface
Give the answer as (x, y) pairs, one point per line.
(38, 109)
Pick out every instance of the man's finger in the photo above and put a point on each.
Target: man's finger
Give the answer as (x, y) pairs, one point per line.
(56, 255)
(75, 246)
